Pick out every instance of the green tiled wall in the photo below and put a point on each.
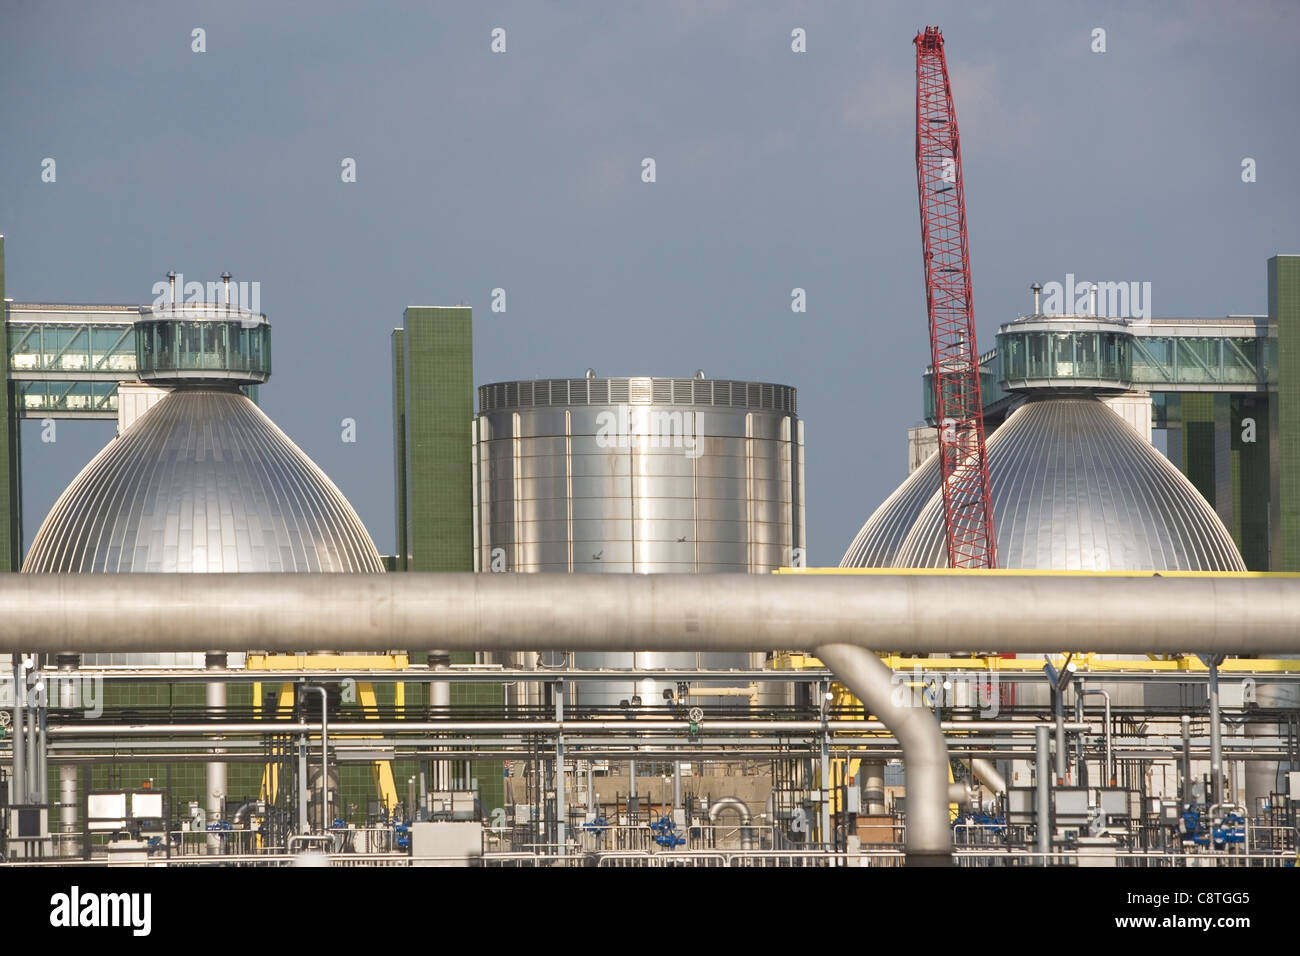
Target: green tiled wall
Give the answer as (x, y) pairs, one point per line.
(399, 446)
(11, 515)
(1198, 442)
(439, 386)
(435, 356)
(1284, 316)
(187, 781)
(1250, 481)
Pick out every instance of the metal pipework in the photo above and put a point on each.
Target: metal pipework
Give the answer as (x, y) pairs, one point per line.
(1110, 761)
(742, 809)
(716, 612)
(216, 771)
(68, 774)
(925, 757)
(1216, 732)
(987, 774)
(713, 612)
(561, 796)
(634, 729)
(18, 785)
(324, 754)
(873, 787)
(1043, 793)
(440, 701)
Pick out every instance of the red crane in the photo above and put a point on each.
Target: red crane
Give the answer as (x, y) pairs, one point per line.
(959, 417)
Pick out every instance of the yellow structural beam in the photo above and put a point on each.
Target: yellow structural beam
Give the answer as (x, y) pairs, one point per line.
(1028, 572)
(1086, 663)
(381, 770)
(327, 662)
(283, 708)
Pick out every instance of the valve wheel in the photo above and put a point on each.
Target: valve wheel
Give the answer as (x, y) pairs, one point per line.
(696, 714)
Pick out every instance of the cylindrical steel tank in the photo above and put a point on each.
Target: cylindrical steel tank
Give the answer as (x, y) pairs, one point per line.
(639, 475)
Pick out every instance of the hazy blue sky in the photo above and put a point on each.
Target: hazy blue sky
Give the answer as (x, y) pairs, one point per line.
(522, 170)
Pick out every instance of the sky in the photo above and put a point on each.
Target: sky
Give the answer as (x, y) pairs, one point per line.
(522, 170)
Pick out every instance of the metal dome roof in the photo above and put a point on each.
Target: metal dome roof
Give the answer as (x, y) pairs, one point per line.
(1074, 488)
(203, 482)
(879, 539)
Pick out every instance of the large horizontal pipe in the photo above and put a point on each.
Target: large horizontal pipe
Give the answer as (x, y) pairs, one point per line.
(472, 673)
(708, 612)
(637, 727)
(667, 751)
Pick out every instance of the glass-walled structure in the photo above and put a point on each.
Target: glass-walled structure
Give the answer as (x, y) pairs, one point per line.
(215, 344)
(1075, 354)
(991, 391)
(1219, 361)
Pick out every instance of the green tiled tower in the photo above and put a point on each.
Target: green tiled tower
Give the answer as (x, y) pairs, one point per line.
(438, 372)
(1284, 426)
(433, 412)
(402, 553)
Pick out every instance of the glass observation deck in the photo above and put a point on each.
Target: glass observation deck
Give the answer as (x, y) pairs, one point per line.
(66, 360)
(203, 343)
(1086, 353)
(1068, 353)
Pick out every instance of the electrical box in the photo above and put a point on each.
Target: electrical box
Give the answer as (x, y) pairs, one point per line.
(147, 805)
(1293, 784)
(1070, 805)
(106, 811)
(446, 844)
(1113, 801)
(853, 803)
(29, 832)
(1232, 694)
(1020, 805)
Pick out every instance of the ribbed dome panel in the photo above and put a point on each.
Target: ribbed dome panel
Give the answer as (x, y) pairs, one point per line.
(1074, 488)
(203, 482)
(878, 541)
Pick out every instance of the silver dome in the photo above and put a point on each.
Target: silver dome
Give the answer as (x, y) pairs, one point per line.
(880, 538)
(203, 482)
(1075, 488)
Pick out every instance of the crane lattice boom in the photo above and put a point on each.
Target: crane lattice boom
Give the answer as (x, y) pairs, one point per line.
(968, 508)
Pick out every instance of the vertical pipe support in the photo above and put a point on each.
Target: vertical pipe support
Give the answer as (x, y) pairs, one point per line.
(324, 755)
(440, 702)
(1216, 733)
(304, 821)
(561, 798)
(216, 771)
(825, 815)
(18, 796)
(1043, 793)
(1058, 704)
(1110, 760)
(68, 701)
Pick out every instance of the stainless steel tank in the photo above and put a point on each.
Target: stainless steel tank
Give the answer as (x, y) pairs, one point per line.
(639, 475)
